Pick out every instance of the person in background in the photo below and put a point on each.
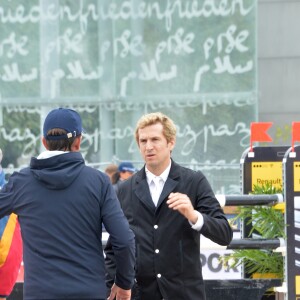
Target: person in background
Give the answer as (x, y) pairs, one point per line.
(61, 204)
(10, 247)
(168, 207)
(110, 170)
(125, 170)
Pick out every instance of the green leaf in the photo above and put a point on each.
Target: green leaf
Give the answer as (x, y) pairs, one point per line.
(268, 223)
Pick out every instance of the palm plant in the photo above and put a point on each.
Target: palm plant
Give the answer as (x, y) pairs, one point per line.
(267, 222)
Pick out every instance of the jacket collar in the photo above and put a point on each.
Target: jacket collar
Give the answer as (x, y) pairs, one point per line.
(142, 189)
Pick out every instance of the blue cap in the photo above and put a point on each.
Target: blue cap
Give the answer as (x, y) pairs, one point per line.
(126, 167)
(63, 118)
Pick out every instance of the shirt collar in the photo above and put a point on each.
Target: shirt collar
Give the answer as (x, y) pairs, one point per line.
(164, 175)
(48, 154)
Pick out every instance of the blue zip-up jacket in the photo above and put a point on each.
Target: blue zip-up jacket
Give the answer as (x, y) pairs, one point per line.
(61, 204)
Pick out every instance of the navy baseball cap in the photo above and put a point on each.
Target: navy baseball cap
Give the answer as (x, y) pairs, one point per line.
(126, 167)
(63, 118)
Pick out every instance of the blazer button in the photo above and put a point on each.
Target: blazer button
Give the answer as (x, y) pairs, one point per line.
(158, 275)
(155, 226)
(156, 250)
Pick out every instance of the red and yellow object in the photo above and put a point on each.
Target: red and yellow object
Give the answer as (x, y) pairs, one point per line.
(10, 253)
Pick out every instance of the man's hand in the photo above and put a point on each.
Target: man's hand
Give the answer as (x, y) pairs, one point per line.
(183, 204)
(119, 294)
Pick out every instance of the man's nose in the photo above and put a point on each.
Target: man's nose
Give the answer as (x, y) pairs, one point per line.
(148, 145)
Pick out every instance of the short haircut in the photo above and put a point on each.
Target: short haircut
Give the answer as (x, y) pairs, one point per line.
(61, 144)
(169, 128)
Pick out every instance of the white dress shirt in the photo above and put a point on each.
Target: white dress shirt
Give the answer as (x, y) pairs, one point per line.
(156, 185)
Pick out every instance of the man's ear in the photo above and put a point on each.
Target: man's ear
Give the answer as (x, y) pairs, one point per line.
(76, 144)
(172, 144)
(45, 143)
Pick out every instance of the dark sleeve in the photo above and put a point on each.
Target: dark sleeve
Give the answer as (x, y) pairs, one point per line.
(216, 226)
(120, 248)
(110, 264)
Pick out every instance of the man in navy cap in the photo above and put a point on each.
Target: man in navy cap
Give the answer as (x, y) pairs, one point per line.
(125, 170)
(61, 204)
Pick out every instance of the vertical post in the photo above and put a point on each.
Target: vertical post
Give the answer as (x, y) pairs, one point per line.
(291, 176)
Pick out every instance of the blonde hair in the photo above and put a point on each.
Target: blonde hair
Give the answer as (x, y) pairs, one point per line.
(169, 128)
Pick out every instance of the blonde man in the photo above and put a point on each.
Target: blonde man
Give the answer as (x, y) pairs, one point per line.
(168, 206)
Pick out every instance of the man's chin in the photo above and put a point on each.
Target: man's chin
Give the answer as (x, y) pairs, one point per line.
(151, 165)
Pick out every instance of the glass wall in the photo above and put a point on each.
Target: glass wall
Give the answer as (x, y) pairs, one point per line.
(114, 60)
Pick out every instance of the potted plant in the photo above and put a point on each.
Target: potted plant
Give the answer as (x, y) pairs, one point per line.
(267, 222)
